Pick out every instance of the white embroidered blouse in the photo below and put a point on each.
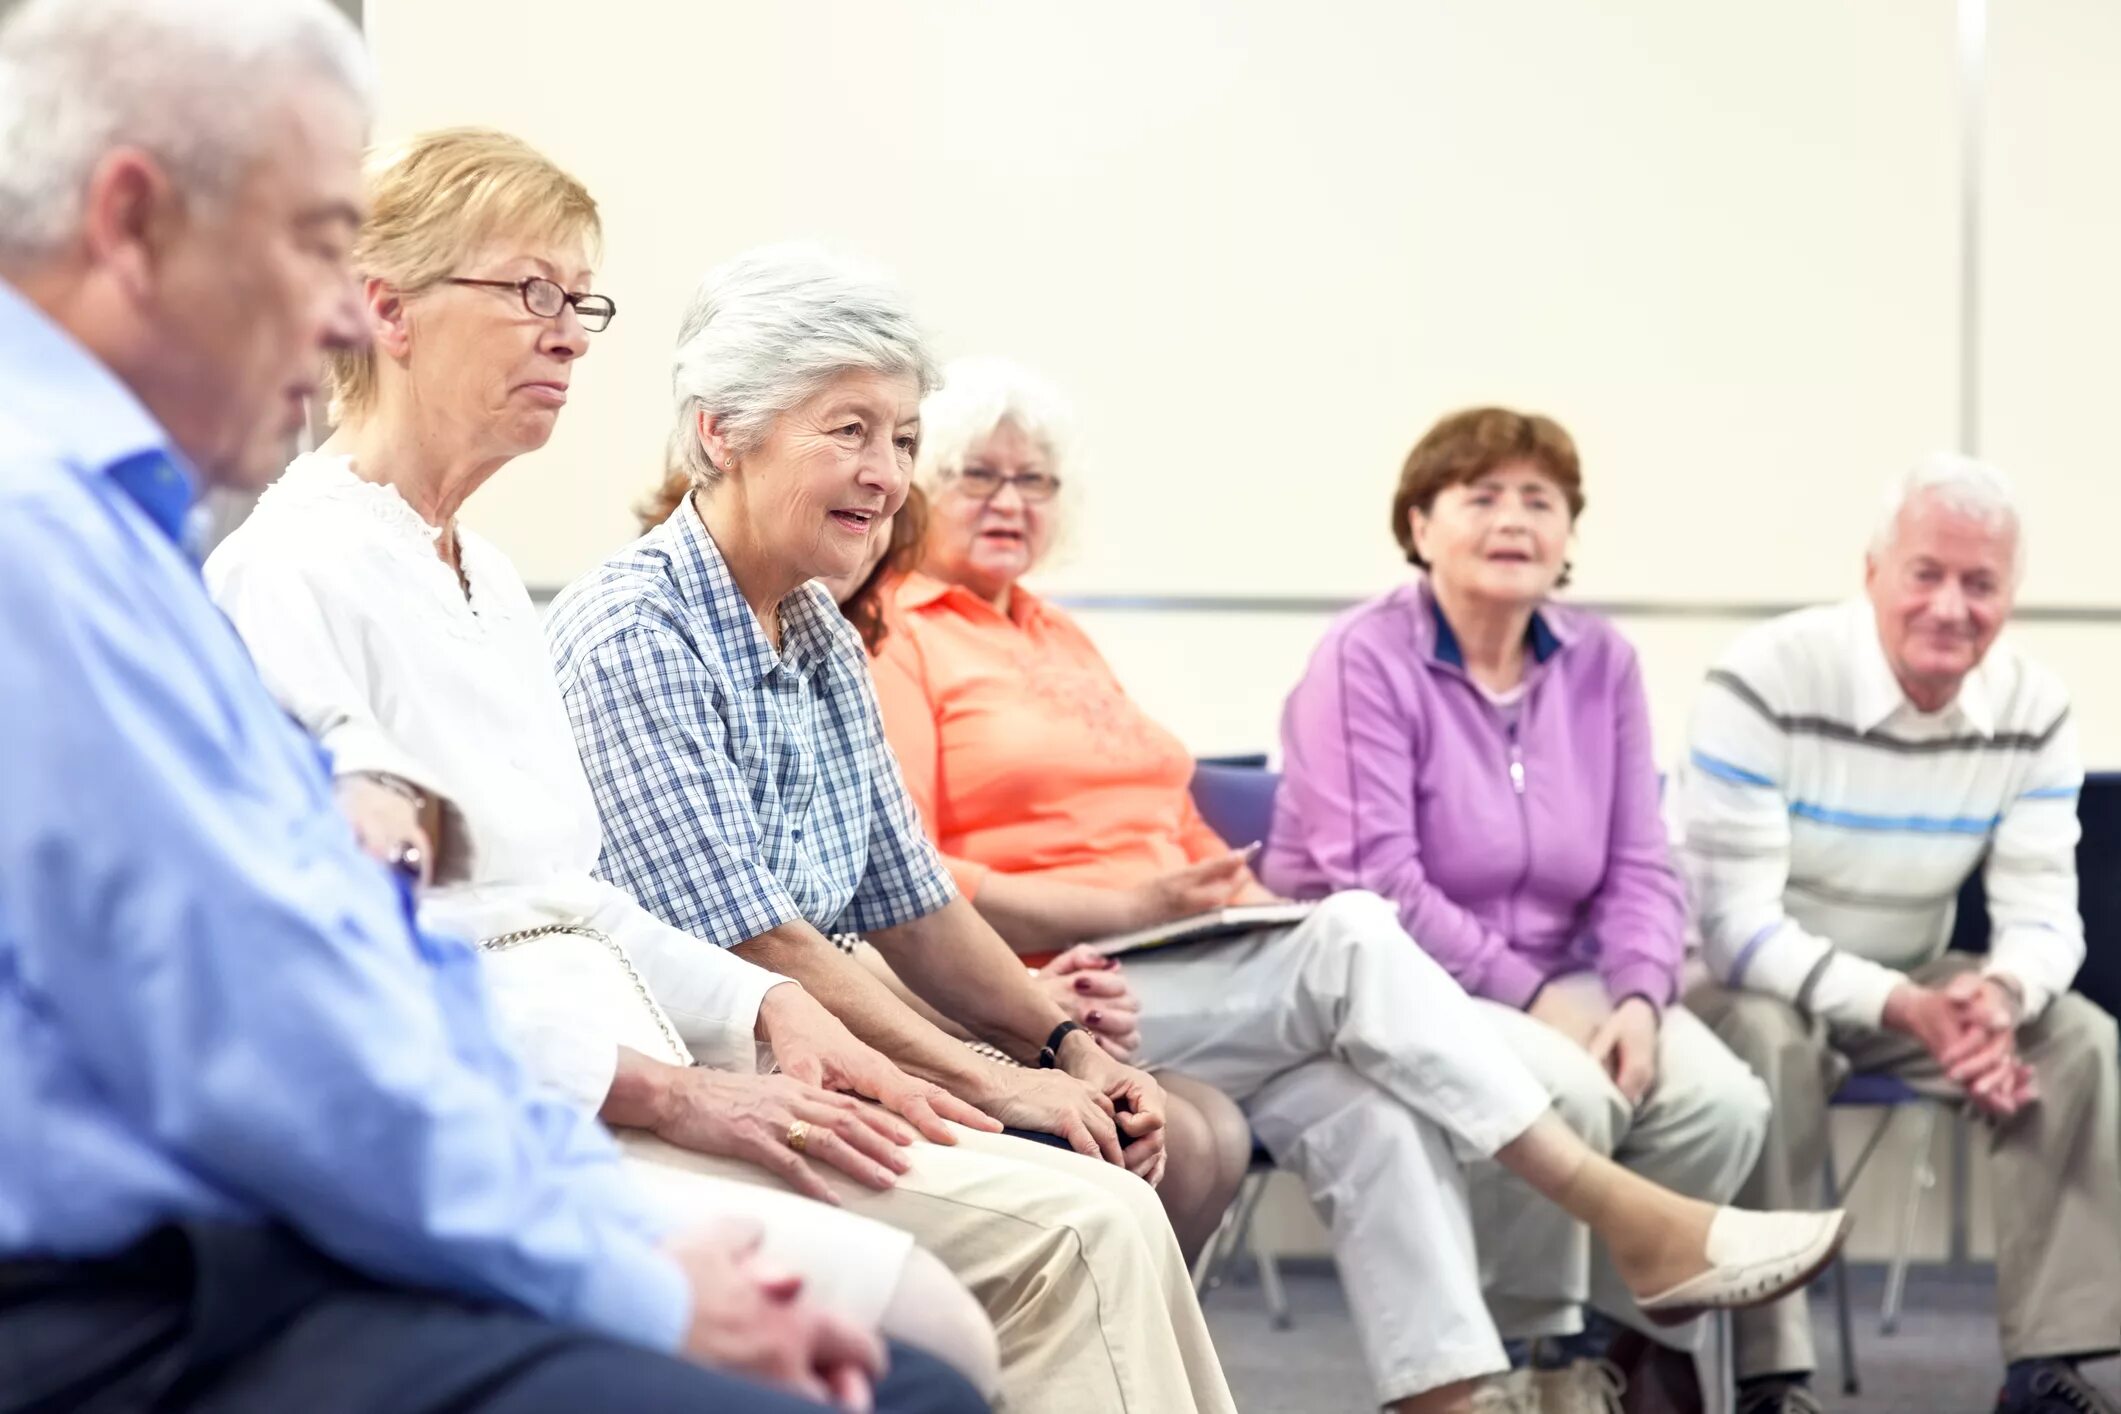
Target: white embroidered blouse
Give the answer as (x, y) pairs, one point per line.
(367, 638)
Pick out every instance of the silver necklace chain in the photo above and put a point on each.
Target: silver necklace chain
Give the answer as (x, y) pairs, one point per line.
(523, 935)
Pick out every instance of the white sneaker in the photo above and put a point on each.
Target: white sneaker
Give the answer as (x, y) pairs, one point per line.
(1581, 1387)
(1509, 1393)
(1753, 1258)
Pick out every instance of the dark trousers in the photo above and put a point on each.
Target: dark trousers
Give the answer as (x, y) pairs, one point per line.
(229, 1319)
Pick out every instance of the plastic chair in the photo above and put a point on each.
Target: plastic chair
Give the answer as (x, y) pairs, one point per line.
(1237, 801)
(1890, 1097)
(1235, 795)
(1235, 1237)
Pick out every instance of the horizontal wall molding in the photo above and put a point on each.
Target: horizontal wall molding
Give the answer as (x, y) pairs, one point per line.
(1610, 608)
(1311, 604)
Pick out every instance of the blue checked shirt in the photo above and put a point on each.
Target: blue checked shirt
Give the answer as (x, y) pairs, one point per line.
(741, 789)
(212, 1005)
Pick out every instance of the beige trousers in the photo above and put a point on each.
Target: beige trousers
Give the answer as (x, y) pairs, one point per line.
(1699, 1132)
(2056, 1165)
(1072, 1259)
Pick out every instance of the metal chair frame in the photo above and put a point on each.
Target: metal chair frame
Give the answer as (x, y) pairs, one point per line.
(1922, 1177)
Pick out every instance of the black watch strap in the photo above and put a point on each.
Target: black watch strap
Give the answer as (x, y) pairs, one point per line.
(1049, 1054)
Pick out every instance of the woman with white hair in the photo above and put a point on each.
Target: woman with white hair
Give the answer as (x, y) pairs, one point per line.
(1064, 815)
(410, 649)
(724, 712)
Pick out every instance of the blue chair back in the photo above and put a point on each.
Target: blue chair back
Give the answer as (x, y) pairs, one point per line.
(1236, 801)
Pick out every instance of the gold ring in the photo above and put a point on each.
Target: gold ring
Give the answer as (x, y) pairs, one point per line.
(799, 1135)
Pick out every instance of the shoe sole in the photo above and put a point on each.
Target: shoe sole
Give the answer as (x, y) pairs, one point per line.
(1680, 1315)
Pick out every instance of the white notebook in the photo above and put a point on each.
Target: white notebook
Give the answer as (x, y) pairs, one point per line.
(1219, 923)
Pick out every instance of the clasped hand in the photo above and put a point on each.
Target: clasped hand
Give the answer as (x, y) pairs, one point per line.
(1970, 1025)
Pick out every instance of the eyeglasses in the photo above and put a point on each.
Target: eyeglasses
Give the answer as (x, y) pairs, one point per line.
(545, 299)
(984, 483)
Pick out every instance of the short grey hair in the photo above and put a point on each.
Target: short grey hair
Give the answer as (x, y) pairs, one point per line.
(1970, 487)
(188, 82)
(979, 395)
(772, 328)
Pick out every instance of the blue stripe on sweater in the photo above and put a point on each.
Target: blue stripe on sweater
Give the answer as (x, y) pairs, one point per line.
(1906, 824)
(1724, 771)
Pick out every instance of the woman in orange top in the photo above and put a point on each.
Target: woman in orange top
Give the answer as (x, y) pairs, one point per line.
(1063, 813)
(1205, 1133)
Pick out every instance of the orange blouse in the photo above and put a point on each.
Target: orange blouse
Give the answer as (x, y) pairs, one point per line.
(1021, 749)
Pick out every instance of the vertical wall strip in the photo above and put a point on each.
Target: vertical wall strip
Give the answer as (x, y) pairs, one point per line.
(1973, 56)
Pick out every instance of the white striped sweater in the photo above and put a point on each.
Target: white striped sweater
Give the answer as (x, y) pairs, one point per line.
(1828, 825)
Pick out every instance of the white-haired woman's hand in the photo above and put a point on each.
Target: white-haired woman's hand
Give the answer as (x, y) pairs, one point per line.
(812, 1044)
(1093, 990)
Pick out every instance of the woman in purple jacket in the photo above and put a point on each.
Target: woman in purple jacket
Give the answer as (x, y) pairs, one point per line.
(1480, 756)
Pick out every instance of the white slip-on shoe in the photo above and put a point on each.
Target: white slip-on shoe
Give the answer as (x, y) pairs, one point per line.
(1753, 1258)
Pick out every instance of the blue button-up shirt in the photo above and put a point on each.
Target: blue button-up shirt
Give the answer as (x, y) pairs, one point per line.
(212, 1004)
(741, 787)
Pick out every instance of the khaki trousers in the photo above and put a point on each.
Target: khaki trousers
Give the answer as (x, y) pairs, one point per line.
(2056, 1165)
(1072, 1259)
(1699, 1132)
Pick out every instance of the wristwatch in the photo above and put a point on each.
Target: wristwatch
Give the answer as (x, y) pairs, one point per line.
(1049, 1054)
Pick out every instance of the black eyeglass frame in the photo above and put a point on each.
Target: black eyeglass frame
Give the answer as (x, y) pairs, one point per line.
(595, 311)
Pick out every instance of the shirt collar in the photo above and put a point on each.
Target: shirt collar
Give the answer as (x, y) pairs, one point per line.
(809, 619)
(1878, 694)
(918, 591)
(88, 416)
(1543, 638)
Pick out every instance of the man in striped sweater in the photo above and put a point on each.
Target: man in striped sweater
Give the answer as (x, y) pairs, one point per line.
(1849, 766)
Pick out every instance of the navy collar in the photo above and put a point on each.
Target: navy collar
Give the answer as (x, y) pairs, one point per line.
(1538, 636)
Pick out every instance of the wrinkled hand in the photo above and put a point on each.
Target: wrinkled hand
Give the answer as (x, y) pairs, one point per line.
(752, 1319)
(1625, 1046)
(1578, 1023)
(385, 822)
(1984, 1060)
(749, 1117)
(1055, 1102)
(1092, 989)
(811, 1045)
(1197, 888)
(1137, 1102)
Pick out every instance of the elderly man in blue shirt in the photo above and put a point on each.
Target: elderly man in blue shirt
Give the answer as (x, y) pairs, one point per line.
(261, 1147)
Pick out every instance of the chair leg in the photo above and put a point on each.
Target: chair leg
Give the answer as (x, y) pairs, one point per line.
(1235, 1233)
(1270, 1287)
(1920, 1180)
(1715, 1355)
(1844, 1322)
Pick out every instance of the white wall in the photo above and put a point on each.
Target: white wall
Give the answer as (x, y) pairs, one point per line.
(1264, 245)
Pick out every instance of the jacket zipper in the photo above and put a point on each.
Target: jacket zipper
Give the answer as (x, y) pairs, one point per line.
(1524, 821)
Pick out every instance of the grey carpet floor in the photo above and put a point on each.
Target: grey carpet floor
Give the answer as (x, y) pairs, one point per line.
(1943, 1359)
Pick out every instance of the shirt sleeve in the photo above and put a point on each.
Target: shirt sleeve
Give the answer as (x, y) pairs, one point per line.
(904, 878)
(2036, 932)
(1638, 914)
(1350, 749)
(711, 995)
(1735, 816)
(312, 663)
(679, 833)
(908, 712)
(242, 987)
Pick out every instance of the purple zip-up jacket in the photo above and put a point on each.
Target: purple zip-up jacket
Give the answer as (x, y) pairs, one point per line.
(1515, 853)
